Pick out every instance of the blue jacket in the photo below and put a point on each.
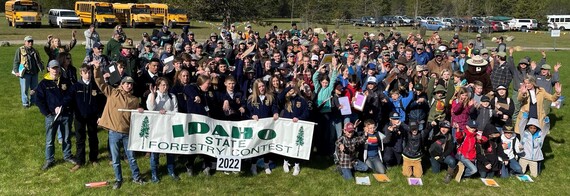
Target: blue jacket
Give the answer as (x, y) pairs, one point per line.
(263, 109)
(191, 92)
(422, 58)
(299, 109)
(178, 91)
(401, 104)
(51, 94)
(88, 100)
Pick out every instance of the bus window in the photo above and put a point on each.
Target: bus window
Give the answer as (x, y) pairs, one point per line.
(567, 19)
(25, 8)
(104, 10)
(140, 10)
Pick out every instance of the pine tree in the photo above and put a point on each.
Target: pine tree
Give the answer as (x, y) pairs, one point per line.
(144, 130)
(300, 139)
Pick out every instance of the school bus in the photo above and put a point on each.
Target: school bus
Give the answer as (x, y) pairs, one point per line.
(133, 15)
(97, 13)
(21, 13)
(169, 15)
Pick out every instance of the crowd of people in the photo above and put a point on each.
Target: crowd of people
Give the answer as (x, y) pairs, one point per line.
(425, 98)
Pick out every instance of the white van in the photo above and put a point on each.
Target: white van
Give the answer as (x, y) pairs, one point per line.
(561, 22)
(63, 18)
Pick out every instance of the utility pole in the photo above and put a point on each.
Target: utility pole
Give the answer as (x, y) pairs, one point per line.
(292, 3)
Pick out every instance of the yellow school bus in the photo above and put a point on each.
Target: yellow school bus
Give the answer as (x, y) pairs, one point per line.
(21, 13)
(169, 15)
(97, 13)
(133, 15)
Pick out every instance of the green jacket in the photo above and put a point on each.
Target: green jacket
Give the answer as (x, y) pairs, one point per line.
(113, 49)
(324, 93)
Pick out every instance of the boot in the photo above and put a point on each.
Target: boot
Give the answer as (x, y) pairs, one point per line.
(449, 175)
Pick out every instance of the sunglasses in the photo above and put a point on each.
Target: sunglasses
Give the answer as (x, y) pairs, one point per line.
(31, 41)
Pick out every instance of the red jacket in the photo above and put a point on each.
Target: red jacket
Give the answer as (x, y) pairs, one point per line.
(467, 141)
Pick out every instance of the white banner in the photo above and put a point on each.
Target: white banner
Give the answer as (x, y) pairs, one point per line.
(179, 133)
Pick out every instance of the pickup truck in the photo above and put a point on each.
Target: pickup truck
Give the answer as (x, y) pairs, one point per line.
(523, 24)
(364, 21)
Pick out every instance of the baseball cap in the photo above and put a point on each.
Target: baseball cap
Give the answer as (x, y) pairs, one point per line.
(349, 127)
(485, 99)
(546, 66)
(28, 38)
(501, 87)
(523, 61)
(371, 66)
(445, 124)
(419, 87)
(484, 51)
(97, 45)
(127, 79)
(53, 63)
(394, 115)
(314, 58)
(502, 54)
(478, 35)
(472, 123)
(371, 80)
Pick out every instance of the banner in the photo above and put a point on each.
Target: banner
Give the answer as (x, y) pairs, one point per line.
(179, 133)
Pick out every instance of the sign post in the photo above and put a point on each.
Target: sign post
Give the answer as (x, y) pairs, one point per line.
(555, 33)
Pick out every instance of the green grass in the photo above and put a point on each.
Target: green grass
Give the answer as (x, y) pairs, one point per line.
(202, 29)
(22, 155)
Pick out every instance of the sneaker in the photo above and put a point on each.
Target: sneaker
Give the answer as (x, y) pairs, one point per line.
(189, 171)
(227, 173)
(206, 171)
(139, 181)
(286, 166)
(175, 177)
(447, 178)
(296, 169)
(59, 141)
(47, 165)
(154, 179)
(72, 161)
(75, 168)
(117, 185)
(253, 169)
(267, 169)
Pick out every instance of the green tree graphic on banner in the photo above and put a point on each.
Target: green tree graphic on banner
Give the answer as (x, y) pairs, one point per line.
(144, 130)
(300, 139)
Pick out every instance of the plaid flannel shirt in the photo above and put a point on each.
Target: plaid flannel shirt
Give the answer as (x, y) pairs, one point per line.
(348, 156)
(501, 75)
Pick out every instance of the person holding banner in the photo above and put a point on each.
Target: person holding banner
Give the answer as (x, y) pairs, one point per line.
(261, 104)
(296, 108)
(162, 101)
(118, 123)
(197, 103)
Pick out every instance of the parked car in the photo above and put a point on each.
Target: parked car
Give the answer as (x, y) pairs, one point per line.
(523, 24)
(498, 26)
(63, 18)
(381, 22)
(395, 21)
(479, 26)
(420, 19)
(404, 20)
(433, 25)
(447, 21)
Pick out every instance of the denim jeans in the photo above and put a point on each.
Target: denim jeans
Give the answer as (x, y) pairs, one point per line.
(375, 164)
(486, 174)
(52, 125)
(115, 140)
(88, 51)
(513, 167)
(28, 82)
(436, 164)
(358, 166)
(154, 163)
(470, 167)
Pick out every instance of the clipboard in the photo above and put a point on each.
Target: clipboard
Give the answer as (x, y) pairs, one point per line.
(327, 59)
(360, 101)
(115, 76)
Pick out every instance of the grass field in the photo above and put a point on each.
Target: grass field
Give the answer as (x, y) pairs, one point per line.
(202, 29)
(23, 135)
